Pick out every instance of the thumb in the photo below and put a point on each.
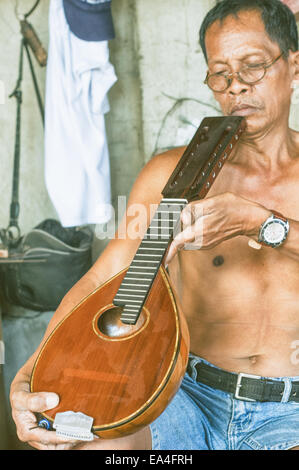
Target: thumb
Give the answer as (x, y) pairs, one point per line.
(41, 401)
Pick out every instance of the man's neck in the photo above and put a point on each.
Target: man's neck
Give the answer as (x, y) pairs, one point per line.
(267, 153)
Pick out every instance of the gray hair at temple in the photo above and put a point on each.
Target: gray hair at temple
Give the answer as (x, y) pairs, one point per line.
(279, 21)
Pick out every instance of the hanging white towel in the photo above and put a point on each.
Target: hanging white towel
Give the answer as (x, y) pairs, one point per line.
(77, 167)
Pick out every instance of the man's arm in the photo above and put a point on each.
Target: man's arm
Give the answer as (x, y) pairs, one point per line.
(209, 222)
(117, 256)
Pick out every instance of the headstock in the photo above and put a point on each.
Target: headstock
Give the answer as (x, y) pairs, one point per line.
(204, 157)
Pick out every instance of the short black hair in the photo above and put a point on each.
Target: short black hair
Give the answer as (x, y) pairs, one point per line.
(279, 21)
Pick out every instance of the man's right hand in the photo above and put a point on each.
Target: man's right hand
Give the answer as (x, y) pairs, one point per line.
(24, 406)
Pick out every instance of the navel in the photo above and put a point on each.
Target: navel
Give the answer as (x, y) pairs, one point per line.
(218, 261)
(253, 359)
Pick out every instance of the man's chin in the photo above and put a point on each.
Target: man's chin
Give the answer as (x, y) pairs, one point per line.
(255, 127)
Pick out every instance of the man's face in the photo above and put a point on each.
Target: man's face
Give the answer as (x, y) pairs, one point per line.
(243, 41)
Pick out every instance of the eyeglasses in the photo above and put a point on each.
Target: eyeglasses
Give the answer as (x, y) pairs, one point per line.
(250, 74)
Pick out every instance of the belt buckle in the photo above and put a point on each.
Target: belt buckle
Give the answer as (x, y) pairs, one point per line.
(239, 385)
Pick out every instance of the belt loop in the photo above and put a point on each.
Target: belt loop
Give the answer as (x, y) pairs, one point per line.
(193, 361)
(287, 389)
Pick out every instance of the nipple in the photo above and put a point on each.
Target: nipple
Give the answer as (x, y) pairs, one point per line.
(218, 261)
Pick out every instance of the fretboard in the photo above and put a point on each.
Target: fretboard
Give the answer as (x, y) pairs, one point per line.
(138, 280)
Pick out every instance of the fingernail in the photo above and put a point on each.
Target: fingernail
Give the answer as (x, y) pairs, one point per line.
(52, 401)
(184, 218)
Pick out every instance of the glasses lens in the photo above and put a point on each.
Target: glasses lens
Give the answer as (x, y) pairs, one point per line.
(217, 82)
(252, 74)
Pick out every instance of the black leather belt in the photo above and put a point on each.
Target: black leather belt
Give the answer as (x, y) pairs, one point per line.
(243, 386)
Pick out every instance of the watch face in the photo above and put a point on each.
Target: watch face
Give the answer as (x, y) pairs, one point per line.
(274, 232)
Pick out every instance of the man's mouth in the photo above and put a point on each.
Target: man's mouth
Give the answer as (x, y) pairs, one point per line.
(243, 110)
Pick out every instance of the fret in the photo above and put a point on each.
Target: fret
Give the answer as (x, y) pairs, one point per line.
(164, 219)
(131, 308)
(156, 233)
(136, 276)
(147, 248)
(164, 230)
(143, 254)
(129, 295)
(173, 201)
(137, 285)
(154, 241)
(162, 236)
(141, 267)
(169, 212)
(132, 297)
(143, 261)
(131, 290)
(138, 272)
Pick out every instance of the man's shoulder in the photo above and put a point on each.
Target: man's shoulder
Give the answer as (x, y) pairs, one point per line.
(155, 174)
(164, 163)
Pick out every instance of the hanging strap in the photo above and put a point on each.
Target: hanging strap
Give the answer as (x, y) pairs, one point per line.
(12, 233)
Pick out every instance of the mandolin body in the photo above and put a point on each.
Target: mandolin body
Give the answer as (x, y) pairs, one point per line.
(121, 375)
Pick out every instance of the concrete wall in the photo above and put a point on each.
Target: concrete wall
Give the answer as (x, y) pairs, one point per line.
(157, 102)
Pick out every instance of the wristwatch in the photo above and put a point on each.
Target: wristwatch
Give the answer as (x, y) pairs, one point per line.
(274, 230)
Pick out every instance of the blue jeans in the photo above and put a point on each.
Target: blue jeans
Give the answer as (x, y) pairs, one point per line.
(203, 418)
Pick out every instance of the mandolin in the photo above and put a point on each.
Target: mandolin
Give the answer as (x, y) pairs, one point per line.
(120, 355)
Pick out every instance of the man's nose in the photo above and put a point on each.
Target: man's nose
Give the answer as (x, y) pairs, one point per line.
(236, 86)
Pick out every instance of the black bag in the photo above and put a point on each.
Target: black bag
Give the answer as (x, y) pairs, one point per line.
(44, 264)
(38, 269)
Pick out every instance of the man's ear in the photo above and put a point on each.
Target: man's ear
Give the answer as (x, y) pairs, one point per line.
(294, 58)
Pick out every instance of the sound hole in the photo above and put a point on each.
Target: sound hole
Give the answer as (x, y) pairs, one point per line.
(110, 324)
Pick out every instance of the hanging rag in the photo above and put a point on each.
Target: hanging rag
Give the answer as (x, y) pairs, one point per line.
(79, 75)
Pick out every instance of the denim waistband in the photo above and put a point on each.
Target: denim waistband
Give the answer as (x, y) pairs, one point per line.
(193, 360)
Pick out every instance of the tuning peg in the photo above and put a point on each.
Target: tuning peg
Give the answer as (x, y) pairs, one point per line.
(204, 132)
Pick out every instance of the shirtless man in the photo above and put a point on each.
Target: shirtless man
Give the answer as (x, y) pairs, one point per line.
(241, 304)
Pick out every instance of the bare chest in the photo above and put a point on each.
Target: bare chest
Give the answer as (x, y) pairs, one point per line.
(232, 279)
